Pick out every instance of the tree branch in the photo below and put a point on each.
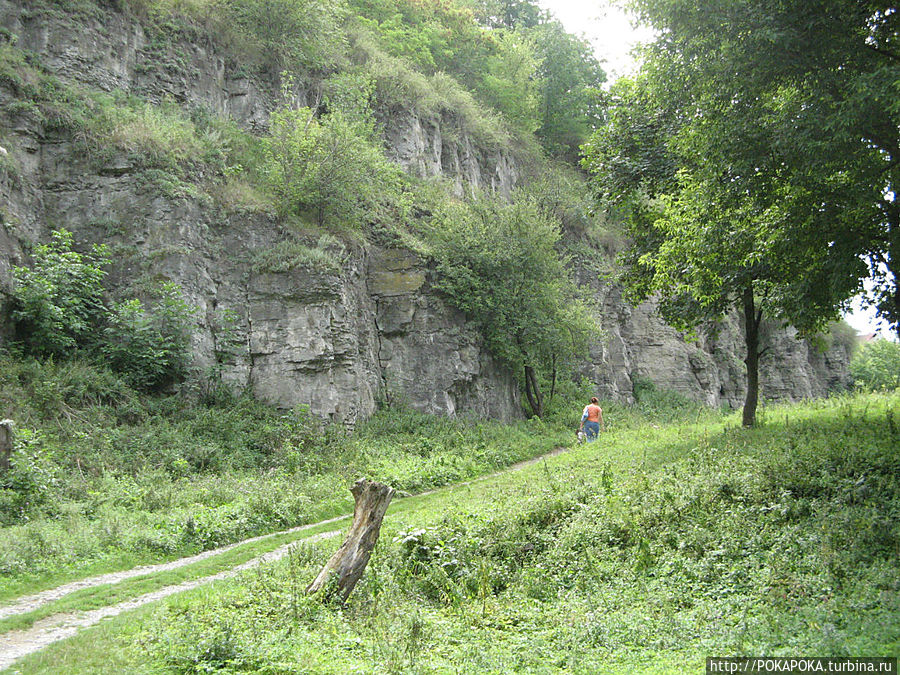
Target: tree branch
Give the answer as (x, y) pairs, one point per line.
(884, 52)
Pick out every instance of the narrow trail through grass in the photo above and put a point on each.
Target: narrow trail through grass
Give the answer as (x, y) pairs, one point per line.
(35, 621)
(16, 644)
(32, 602)
(805, 480)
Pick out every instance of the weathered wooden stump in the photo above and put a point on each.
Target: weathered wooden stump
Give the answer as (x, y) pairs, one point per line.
(6, 444)
(350, 560)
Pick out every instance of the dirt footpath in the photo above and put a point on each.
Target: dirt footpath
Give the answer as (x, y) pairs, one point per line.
(16, 644)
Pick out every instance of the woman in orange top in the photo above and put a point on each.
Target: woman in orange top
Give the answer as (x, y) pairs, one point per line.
(592, 420)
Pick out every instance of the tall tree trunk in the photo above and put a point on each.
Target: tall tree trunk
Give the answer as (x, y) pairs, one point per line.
(350, 560)
(553, 378)
(533, 392)
(6, 444)
(897, 305)
(892, 261)
(752, 319)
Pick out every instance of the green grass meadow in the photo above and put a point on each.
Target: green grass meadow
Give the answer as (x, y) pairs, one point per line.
(678, 535)
(105, 479)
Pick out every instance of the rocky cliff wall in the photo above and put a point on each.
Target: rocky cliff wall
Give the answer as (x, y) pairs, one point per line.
(108, 50)
(334, 341)
(331, 341)
(707, 367)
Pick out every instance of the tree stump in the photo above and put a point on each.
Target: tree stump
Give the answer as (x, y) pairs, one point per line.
(6, 444)
(350, 560)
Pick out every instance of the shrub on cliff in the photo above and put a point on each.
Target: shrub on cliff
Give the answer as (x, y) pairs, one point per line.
(59, 301)
(285, 33)
(150, 348)
(329, 167)
(498, 263)
(59, 311)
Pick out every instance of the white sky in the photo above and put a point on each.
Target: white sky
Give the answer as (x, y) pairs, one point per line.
(607, 27)
(864, 321)
(612, 33)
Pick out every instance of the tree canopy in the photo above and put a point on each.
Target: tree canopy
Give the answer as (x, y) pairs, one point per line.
(512, 54)
(796, 104)
(876, 365)
(752, 162)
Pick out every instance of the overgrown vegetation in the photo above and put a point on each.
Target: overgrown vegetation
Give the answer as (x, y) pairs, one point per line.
(499, 264)
(59, 311)
(643, 552)
(281, 33)
(876, 365)
(324, 165)
(325, 256)
(104, 476)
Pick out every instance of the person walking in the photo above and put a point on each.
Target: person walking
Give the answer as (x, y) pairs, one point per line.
(592, 420)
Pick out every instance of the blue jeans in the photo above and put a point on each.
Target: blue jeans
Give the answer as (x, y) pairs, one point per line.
(591, 429)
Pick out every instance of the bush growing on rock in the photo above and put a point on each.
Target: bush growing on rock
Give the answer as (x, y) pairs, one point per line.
(59, 301)
(328, 167)
(59, 311)
(499, 264)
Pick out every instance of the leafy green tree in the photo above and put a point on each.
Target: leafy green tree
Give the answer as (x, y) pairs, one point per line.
(58, 302)
(795, 103)
(59, 310)
(289, 33)
(570, 79)
(511, 83)
(498, 263)
(435, 35)
(150, 347)
(699, 244)
(876, 365)
(720, 158)
(568, 76)
(510, 14)
(328, 166)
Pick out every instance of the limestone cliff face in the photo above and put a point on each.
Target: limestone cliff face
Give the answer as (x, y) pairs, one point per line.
(708, 368)
(421, 148)
(337, 342)
(109, 51)
(332, 340)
